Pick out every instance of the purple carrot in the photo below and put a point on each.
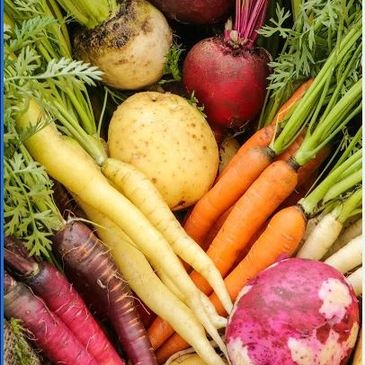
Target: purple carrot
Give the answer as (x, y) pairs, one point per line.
(55, 339)
(62, 299)
(81, 250)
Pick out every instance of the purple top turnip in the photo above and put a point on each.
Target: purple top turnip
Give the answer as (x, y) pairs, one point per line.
(296, 312)
(229, 74)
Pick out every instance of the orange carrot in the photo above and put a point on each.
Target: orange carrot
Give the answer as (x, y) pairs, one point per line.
(307, 169)
(226, 192)
(236, 177)
(261, 199)
(263, 136)
(289, 104)
(300, 191)
(281, 237)
(173, 345)
(253, 239)
(215, 229)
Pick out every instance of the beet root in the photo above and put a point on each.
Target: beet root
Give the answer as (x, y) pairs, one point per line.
(230, 81)
(194, 11)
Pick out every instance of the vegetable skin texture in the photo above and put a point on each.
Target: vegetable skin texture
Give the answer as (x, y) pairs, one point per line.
(215, 71)
(83, 252)
(141, 277)
(194, 11)
(54, 338)
(345, 236)
(321, 238)
(62, 299)
(130, 48)
(168, 140)
(268, 248)
(348, 257)
(296, 312)
(226, 192)
(261, 199)
(203, 217)
(59, 155)
(355, 280)
(136, 187)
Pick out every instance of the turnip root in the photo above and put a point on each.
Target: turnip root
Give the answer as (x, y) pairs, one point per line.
(130, 47)
(296, 312)
(194, 11)
(168, 140)
(228, 74)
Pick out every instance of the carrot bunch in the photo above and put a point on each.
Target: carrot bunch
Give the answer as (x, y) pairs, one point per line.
(262, 175)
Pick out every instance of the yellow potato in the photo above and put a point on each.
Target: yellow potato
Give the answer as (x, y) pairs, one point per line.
(170, 141)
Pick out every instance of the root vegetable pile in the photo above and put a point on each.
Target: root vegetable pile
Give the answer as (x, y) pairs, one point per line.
(175, 170)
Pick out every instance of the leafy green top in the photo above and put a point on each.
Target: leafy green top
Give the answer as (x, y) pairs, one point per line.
(30, 212)
(319, 26)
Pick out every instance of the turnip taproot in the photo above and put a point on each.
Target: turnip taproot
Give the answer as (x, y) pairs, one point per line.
(128, 40)
(296, 312)
(228, 74)
(194, 11)
(168, 140)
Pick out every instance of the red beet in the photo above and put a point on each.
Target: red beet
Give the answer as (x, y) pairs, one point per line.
(229, 74)
(194, 11)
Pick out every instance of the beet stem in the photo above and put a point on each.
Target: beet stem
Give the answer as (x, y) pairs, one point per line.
(249, 17)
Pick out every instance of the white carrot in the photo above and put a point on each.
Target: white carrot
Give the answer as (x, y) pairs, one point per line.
(321, 237)
(68, 163)
(145, 283)
(329, 228)
(141, 192)
(355, 280)
(347, 234)
(348, 257)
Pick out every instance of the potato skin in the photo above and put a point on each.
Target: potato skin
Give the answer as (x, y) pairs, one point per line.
(170, 141)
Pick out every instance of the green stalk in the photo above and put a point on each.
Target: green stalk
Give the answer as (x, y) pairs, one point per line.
(311, 201)
(350, 205)
(343, 112)
(350, 148)
(90, 13)
(92, 145)
(305, 105)
(295, 5)
(344, 185)
(82, 109)
(55, 10)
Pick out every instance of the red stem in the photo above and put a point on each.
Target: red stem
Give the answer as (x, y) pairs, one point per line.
(250, 16)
